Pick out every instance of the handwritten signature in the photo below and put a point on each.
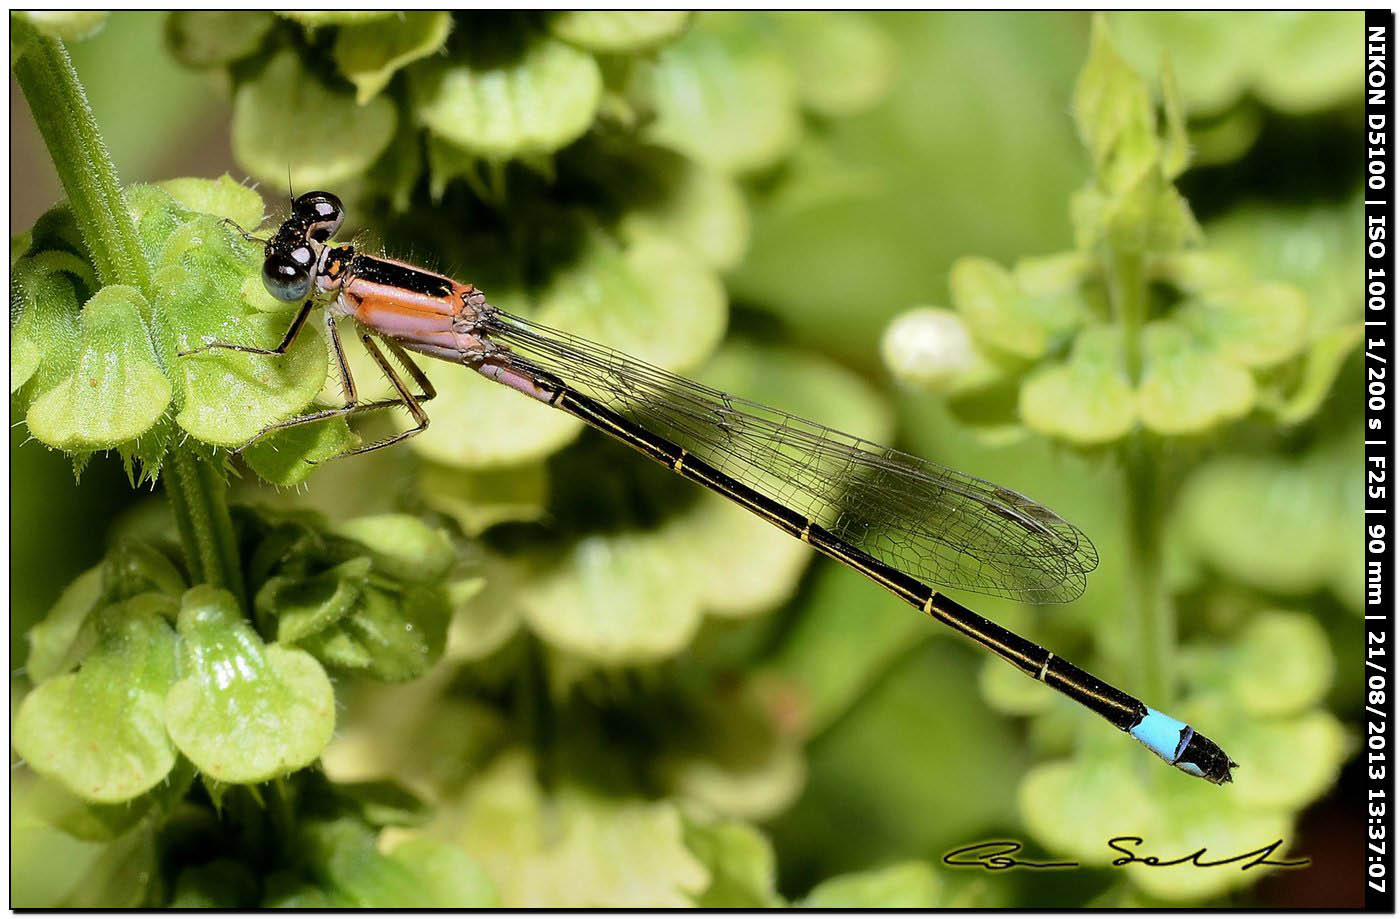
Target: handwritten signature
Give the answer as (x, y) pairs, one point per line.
(996, 855)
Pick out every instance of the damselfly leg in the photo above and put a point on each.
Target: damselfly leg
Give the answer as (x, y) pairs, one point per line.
(353, 406)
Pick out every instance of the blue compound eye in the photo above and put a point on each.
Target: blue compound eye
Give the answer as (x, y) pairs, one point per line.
(285, 279)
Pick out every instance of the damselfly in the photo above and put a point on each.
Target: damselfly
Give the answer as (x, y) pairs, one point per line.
(901, 521)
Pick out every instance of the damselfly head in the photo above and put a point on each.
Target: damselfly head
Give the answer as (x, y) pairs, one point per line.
(321, 213)
(287, 269)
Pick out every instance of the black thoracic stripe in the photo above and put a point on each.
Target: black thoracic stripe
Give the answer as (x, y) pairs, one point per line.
(1118, 707)
(390, 274)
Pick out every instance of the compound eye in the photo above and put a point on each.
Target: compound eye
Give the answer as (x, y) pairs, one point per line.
(284, 278)
(323, 213)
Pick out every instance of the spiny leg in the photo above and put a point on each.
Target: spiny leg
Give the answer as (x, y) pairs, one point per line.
(354, 407)
(406, 398)
(419, 377)
(281, 349)
(244, 233)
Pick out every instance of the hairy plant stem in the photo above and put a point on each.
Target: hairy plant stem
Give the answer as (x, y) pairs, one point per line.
(56, 97)
(1127, 292)
(198, 494)
(196, 487)
(1153, 615)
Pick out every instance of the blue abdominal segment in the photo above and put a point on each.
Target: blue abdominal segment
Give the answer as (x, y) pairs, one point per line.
(1165, 736)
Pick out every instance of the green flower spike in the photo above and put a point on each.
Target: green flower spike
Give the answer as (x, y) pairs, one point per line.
(243, 711)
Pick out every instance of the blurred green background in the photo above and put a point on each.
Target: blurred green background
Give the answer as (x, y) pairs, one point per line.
(869, 153)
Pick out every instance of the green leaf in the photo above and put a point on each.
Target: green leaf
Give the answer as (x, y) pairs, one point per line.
(500, 103)
(1322, 363)
(743, 873)
(1282, 664)
(1272, 523)
(289, 456)
(618, 31)
(478, 499)
(429, 740)
(134, 567)
(729, 102)
(385, 803)
(303, 607)
(904, 886)
(222, 197)
(1310, 64)
(402, 546)
(419, 873)
(844, 63)
(447, 875)
(1255, 325)
(286, 117)
(60, 808)
(573, 847)
(1298, 62)
(51, 640)
(117, 391)
(701, 208)
(244, 712)
(44, 336)
(370, 54)
(313, 19)
(402, 635)
(1186, 389)
(733, 758)
(1176, 151)
(1087, 400)
(647, 297)
(215, 38)
(616, 600)
(1293, 761)
(1148, 215)
(486, 612)
(1113, 112)
(100, 732)
(1000, 314)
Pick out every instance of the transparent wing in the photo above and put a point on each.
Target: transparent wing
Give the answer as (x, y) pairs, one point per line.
(940, 525)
